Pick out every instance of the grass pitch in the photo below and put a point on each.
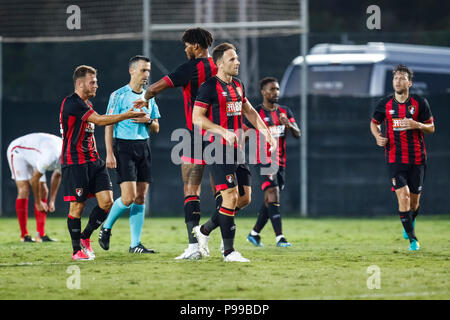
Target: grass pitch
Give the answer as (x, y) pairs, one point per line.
(329, 259)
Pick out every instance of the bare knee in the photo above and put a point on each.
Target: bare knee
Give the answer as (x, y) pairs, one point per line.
(140, 199)
(245, 199)
(230, 198)
(272, 195)
(192, 190)
(23, 189)
(127, 200)
(106, 205)
(404, 199)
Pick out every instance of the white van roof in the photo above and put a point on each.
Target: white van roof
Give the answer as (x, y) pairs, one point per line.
(373, 52)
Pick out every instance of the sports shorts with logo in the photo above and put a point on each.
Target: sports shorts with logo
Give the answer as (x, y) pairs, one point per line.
(272, 180)
(83, 181)
(227, 176)
(412, 175)
(134, 160)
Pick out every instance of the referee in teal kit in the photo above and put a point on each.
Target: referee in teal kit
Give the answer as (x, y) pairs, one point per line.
(130, 154)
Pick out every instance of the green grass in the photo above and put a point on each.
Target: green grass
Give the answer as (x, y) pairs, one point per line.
(328, 260)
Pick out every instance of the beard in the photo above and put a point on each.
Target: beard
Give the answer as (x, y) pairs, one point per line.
(273, 100)
(89, 93)
(400, 91)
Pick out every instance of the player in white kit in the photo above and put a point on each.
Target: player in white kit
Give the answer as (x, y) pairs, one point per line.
(29, 157)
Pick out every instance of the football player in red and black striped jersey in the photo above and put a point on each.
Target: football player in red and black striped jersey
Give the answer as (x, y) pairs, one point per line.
(219, 109)
(84, 174)
(280, 121)
(190, 76)
(406, 118)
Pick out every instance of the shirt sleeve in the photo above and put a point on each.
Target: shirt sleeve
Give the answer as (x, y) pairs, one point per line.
(425, 115)
(203, 99)
(379, 113)
(154, 110)
(112, 104)
(79, 109)
(290, 115)
(244, 96)
(180, 77)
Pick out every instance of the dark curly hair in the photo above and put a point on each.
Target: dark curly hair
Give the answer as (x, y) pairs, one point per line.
(198, 35)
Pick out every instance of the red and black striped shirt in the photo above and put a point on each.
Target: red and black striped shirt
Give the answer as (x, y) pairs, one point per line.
(404, 146)
(224, 103)
(277, 129)
(78, 134)
(191, 75)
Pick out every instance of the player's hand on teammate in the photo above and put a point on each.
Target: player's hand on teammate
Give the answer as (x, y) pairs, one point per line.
(41, 206)
(381, 141)
(132, 114)
(111, 162)
(140, 103)
(145, 119)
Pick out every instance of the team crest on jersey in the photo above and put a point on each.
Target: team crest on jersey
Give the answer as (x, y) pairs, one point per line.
(239, 91)
(230, 178)
(90, 127)
(412, 109)
(79, 191)
(394, 182)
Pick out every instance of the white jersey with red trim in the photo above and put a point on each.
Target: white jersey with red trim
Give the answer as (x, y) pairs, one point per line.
(40, 151)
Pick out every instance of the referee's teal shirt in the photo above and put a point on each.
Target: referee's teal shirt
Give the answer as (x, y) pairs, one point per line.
(121, 101)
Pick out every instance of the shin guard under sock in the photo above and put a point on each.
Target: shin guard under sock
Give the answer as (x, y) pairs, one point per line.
(191, 215)
(98, 215)
(275, 217)
(407, 222)
(74, 226)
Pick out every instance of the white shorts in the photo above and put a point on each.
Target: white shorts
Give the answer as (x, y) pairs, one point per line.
(21, 169)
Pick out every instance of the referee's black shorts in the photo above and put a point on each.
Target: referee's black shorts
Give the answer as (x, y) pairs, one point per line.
(134, 160)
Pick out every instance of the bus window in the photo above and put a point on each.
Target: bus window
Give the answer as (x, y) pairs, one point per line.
(351, 80)
(424, 82)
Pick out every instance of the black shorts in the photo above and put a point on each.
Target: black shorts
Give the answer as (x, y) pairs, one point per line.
(83, 181)
(192, 150)
(227, 176)
(134, 160)
(272, 180)
(411, 175)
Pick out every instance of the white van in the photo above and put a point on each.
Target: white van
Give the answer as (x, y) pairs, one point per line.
(366, 70)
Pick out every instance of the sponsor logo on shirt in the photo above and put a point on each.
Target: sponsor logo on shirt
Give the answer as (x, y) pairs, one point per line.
(234, 108)
(277, 131)
(397, 124)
